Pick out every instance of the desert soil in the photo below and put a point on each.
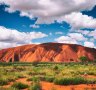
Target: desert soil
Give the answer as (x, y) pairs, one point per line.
(51, 86)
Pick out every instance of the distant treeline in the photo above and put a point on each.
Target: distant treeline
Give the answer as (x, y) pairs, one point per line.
(40, 63)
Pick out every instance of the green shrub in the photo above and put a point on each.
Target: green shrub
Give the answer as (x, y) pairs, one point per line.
(21, 76)
(83, 58)
(11, 79)
(3, 82)
(55, 67)
(30, 73)
(35, 86)
(34, 79)
(19, 85)
(47, 78)
(70, 81)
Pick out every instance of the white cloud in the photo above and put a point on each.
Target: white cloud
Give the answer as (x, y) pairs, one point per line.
(10, 37)
(58, 32)
(89, 44)
(84, 32)
(66, 39)
(78, 20)
(71, 38)
(35, 26)
(48, 10)
(77, 36)
(93, 34)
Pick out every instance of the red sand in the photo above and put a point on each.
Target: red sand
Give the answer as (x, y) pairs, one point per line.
(50, 86)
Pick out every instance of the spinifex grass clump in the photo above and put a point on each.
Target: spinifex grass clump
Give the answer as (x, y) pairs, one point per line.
(19, 85)
(47, 78)
(74, 81)
(42, 78)
(70, 81)
(34, 79)
(35, 86)
(55, 67)
(3, 82)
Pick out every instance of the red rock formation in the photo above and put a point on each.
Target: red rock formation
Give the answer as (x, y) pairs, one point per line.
(47, 52)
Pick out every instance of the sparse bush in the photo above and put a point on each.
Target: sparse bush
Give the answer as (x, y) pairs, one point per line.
(83, 59)
(70, 81)
(58, 73)
(19, 85)
(34, 79)
(21, 76)
(47, 78)
(11, 79)
(55, 68)
(35, 86)
(3, 82)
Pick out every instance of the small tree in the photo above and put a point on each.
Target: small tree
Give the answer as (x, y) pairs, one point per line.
(83, 59)
(55, 67)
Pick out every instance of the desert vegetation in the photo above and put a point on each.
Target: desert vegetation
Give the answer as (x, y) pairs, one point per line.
(12, 75)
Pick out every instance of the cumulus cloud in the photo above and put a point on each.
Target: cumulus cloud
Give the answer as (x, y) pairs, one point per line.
(84, 32)
(77, 36)
(93, 34)
(89, 44)
(10, 37)
(66, 39)
(47, 9)
(78, 20)
(72, 38)
(43, 8)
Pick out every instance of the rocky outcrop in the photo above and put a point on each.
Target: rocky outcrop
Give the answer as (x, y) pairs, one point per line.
(47, 52)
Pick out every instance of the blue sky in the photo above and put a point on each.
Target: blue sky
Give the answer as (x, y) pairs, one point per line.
(41, 21)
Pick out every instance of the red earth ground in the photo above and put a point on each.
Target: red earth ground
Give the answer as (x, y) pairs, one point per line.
(51, 86)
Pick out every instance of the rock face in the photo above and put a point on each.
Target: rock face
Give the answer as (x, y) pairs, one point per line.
(47, 52)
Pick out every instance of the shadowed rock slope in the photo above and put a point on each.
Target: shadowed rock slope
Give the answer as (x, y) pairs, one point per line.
(47, 52)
